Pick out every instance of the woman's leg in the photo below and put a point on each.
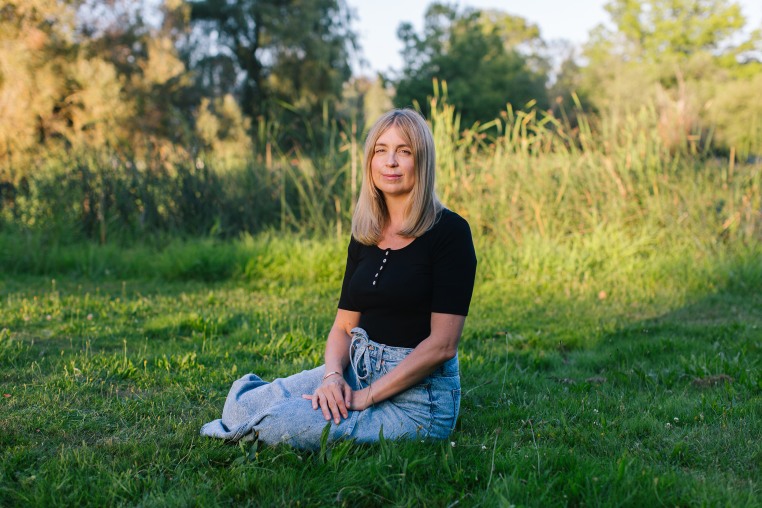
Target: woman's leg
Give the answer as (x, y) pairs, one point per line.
(276, 412)
(250, 399)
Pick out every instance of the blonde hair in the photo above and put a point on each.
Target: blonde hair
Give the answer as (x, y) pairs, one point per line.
(371, 214)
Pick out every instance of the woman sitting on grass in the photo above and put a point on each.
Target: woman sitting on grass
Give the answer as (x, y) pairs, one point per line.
(391, 362)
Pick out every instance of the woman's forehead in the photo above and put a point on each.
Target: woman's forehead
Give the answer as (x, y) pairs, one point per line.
(393, 134)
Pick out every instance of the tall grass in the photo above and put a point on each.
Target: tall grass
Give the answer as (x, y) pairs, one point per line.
(536, 177)
(560, 212)
(525, 174)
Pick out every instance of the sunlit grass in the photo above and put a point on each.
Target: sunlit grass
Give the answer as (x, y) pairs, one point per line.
(649, 393)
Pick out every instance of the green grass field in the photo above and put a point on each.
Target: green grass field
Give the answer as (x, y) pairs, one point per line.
(607, 373)
(611, 356)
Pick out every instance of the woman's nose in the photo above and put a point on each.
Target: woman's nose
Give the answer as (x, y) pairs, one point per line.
(391, 160)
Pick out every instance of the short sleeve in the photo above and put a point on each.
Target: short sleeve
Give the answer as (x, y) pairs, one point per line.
(353, 258)
(454, 267)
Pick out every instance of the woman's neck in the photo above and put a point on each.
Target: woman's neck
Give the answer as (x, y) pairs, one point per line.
(396, 210)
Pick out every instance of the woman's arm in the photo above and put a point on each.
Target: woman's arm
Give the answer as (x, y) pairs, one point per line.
(440, 346)
(333, 395)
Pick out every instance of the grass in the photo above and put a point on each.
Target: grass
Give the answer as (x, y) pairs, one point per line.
(611, 356)
(635, 384)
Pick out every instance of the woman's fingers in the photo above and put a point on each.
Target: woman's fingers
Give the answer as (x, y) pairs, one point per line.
(321, 400)
(313, 398)
(333, 399)
(325, 407)
(334, 409)
(337, 397)
(335, 402)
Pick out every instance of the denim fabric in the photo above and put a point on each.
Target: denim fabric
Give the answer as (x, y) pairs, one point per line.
(276, 412)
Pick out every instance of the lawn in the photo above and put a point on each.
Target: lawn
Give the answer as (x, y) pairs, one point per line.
(641, 389)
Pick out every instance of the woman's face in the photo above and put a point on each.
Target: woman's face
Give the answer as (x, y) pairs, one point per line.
(393, 164)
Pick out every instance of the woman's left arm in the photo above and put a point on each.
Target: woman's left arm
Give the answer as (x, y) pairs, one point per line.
(440, 346)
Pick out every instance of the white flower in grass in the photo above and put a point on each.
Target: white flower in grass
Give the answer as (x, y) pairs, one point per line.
(669, 425)
(676, 419)
(452, 443)
(484, 447)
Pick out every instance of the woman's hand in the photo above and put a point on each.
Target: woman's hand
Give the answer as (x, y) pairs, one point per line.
(361, 399)
(333, 397)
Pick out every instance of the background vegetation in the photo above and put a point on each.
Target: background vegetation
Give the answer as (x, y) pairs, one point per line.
(176, 186)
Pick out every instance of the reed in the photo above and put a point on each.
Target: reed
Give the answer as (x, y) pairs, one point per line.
(524, 173)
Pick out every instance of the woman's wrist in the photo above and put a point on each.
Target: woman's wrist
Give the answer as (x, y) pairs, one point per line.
(362, 399)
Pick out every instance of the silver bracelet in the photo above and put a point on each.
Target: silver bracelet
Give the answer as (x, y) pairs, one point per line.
(331, 374)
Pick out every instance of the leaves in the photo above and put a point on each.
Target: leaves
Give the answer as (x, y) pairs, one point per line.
(488, 59)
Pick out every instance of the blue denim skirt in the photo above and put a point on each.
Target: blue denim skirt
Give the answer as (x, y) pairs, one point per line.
(276, 412)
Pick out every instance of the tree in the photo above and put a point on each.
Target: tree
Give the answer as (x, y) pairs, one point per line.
(88, 74)
(269, 51)
(488, 59)
(154, 78)
(33, 37)
(658, 30)
(676, 55)
(364, 101)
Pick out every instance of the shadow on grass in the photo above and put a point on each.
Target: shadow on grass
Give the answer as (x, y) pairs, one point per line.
(661, 410)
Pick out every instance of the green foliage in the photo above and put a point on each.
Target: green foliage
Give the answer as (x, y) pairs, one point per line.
(293, 52)
(737, 115)
(81, 83)
(521, 175)
(667, 29)
(690, 59)
(224, 130)
(478, 54)
(134, 77)
(364, 101)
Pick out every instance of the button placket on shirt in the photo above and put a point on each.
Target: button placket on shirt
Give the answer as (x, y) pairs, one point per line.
(380, 268)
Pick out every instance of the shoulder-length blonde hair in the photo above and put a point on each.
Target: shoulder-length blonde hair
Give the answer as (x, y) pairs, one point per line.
(371, 214)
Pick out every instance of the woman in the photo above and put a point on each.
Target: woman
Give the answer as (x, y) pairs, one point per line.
(391, 362)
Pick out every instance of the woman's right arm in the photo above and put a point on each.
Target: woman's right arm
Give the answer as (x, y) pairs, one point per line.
(337, 346)
(333, 395)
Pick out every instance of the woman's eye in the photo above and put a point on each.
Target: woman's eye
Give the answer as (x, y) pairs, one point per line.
(406, 152)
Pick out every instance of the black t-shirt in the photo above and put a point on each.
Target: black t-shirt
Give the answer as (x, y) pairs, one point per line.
(397, 290)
